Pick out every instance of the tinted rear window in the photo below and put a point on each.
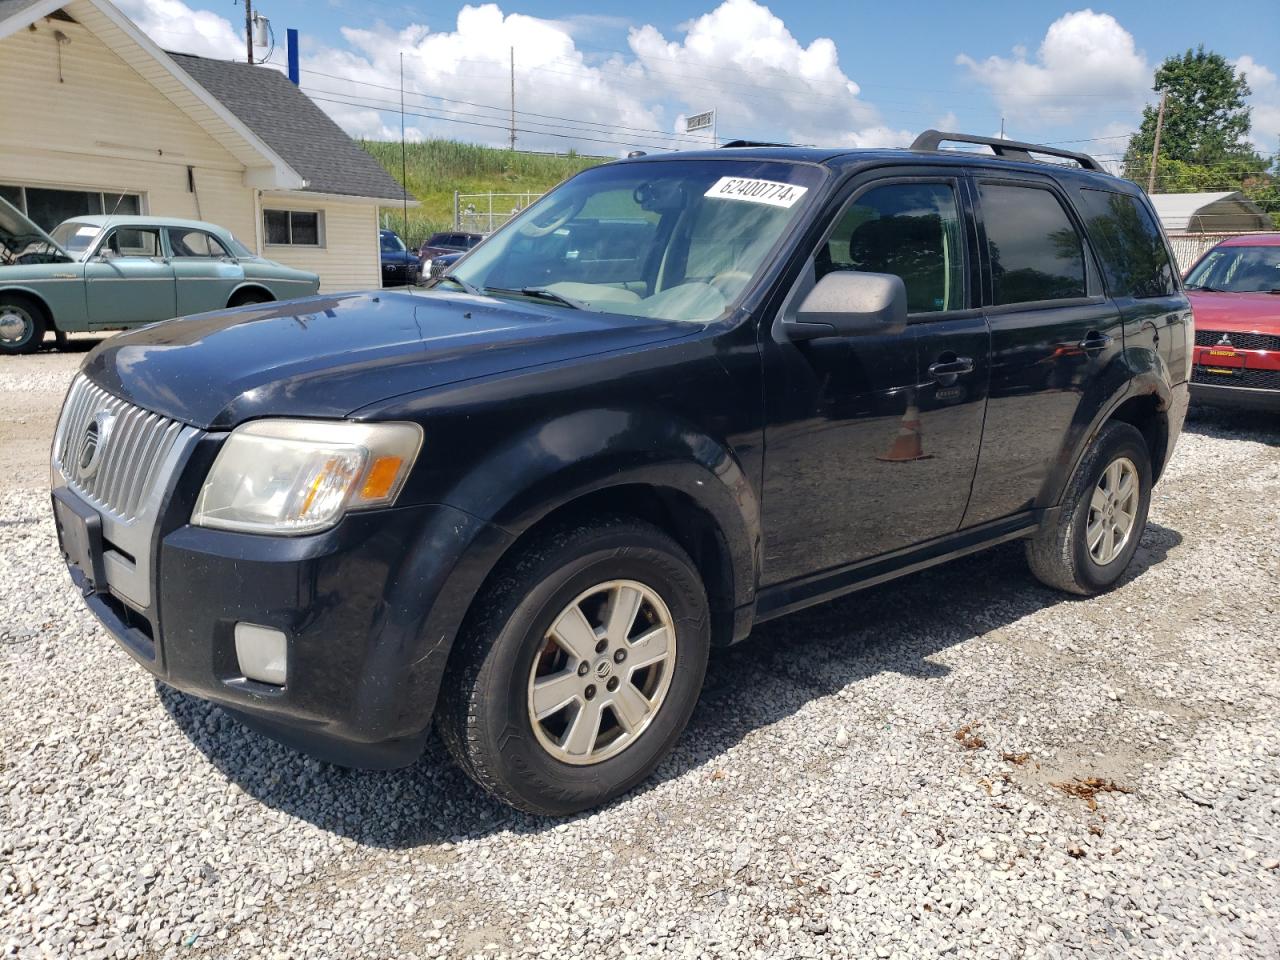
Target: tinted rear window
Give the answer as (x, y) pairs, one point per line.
(1033, 247)
(1134, 257)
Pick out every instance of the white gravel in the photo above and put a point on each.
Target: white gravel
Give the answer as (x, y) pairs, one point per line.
(821, 803)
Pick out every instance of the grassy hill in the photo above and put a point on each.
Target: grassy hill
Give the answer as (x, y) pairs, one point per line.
(436, 168)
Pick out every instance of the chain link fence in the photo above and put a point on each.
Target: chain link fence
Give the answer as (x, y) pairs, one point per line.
(1190, 247)
(485, 212)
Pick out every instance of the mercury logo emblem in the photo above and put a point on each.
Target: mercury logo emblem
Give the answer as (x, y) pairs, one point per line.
(1225, 341)
(91, 447)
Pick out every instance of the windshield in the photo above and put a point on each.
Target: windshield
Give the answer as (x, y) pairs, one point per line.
(75, 237)
(391, 243)
(1238, 270)
(677, 240)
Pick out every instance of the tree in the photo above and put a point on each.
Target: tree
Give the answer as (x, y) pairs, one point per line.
(1206, 120)
(1204, 142)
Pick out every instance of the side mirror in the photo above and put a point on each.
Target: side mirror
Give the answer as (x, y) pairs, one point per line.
(846, 303)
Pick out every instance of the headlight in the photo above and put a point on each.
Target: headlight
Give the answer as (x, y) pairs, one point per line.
(301, 476)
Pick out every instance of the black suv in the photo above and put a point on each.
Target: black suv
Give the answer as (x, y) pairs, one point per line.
(676, 397)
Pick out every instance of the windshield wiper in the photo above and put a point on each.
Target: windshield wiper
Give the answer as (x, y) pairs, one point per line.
(467, 287)
(1203, 287)
(542, 293)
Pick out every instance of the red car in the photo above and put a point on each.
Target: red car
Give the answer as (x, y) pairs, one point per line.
(1235, 295)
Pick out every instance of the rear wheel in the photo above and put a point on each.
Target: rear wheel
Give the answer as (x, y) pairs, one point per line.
(244, 298)
(1089, 545)
(580, 668)
(22, 324)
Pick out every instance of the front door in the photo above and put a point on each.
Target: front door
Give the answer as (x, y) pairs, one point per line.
(866, 451)
(1056, 343)
(129, 280)
(205, 273)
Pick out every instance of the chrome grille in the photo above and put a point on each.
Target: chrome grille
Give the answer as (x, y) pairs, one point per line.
(133, 451)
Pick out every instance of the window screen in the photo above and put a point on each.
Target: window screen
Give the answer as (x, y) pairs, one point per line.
(1034, 250)
(1134, 257)
(912, 230)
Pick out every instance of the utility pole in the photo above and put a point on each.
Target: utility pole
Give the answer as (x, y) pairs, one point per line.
(513, 98)
(248, 29)
(404, 163)
(1002, 128)
(1155, 151)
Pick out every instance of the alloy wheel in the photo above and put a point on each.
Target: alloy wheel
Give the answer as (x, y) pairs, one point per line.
(1113, 511)
(602, 672)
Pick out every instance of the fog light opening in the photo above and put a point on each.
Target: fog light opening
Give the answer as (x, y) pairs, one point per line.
(261, 653)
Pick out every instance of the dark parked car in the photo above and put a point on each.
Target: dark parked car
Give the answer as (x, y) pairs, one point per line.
(439, 266)
(527, 501)
(400, 266)
(441, 243)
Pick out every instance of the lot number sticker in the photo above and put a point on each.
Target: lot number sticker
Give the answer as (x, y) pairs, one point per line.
(757, 191)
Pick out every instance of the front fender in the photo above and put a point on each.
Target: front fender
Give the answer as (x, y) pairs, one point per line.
(62, 299)
(555, 463)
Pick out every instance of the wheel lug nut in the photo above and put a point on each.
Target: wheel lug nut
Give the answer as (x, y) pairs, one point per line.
(619, 656)
(602, 646)
(590, 692)
(583, 668)
(612, 684)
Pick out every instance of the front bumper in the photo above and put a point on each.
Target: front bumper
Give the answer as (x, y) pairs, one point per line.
(369, 610)
(400, 274)
(1236, 398)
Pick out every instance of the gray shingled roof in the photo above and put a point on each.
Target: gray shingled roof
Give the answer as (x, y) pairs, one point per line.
(293, 126)
(9, 8)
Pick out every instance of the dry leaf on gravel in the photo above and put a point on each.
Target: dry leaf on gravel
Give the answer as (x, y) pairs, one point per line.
(968, 739)
(1088, 788)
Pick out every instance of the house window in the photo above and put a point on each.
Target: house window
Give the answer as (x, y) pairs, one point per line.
(294, 228)
(47, 207)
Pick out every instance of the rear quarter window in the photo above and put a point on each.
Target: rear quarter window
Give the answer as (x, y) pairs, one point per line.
(1135, 259)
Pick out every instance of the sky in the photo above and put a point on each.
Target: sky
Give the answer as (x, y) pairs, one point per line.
(604, 77)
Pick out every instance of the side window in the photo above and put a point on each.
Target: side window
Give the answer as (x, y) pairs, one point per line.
(135, 242)
(1034, 249)
(299, 228)
(912, 230)
(194, 243)
(1134, 257)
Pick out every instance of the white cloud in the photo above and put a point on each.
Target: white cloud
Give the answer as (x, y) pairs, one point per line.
(1086, 66)
(742, 60)
(173, 25)
(1265, 101)
(739, 58)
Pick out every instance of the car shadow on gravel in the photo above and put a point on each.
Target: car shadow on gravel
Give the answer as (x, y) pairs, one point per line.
(784, 665)
(1259, 426)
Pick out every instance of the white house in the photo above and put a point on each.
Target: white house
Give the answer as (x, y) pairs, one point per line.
(95, 118)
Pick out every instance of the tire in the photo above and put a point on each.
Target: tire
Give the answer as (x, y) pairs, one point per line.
(1060, 553)
(22, 324)
(486, 712)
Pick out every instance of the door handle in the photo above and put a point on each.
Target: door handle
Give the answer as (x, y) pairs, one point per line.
(1096, 341)
(951, 368)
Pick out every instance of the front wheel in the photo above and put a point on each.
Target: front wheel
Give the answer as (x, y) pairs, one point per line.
(22, 324)
(580, 667)
(1090, 543)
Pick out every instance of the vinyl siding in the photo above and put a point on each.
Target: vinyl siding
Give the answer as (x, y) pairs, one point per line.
(349, 258)
(106, 126)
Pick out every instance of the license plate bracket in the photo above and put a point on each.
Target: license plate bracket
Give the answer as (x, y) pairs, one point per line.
(80, 537)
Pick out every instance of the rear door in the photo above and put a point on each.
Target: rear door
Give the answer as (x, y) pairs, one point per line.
(129, 280)
(1056, 342)
(205, 273)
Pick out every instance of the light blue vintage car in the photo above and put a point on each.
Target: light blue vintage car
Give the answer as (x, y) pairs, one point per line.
(105, 273)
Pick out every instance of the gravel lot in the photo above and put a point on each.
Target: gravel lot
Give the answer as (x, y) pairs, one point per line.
(873, 778)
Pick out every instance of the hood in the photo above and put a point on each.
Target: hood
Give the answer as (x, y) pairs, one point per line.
(329, 356)
(22, 242)
(1243, 312)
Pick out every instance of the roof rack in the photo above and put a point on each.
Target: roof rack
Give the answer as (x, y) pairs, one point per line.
(753, 143)
(1005, 149)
